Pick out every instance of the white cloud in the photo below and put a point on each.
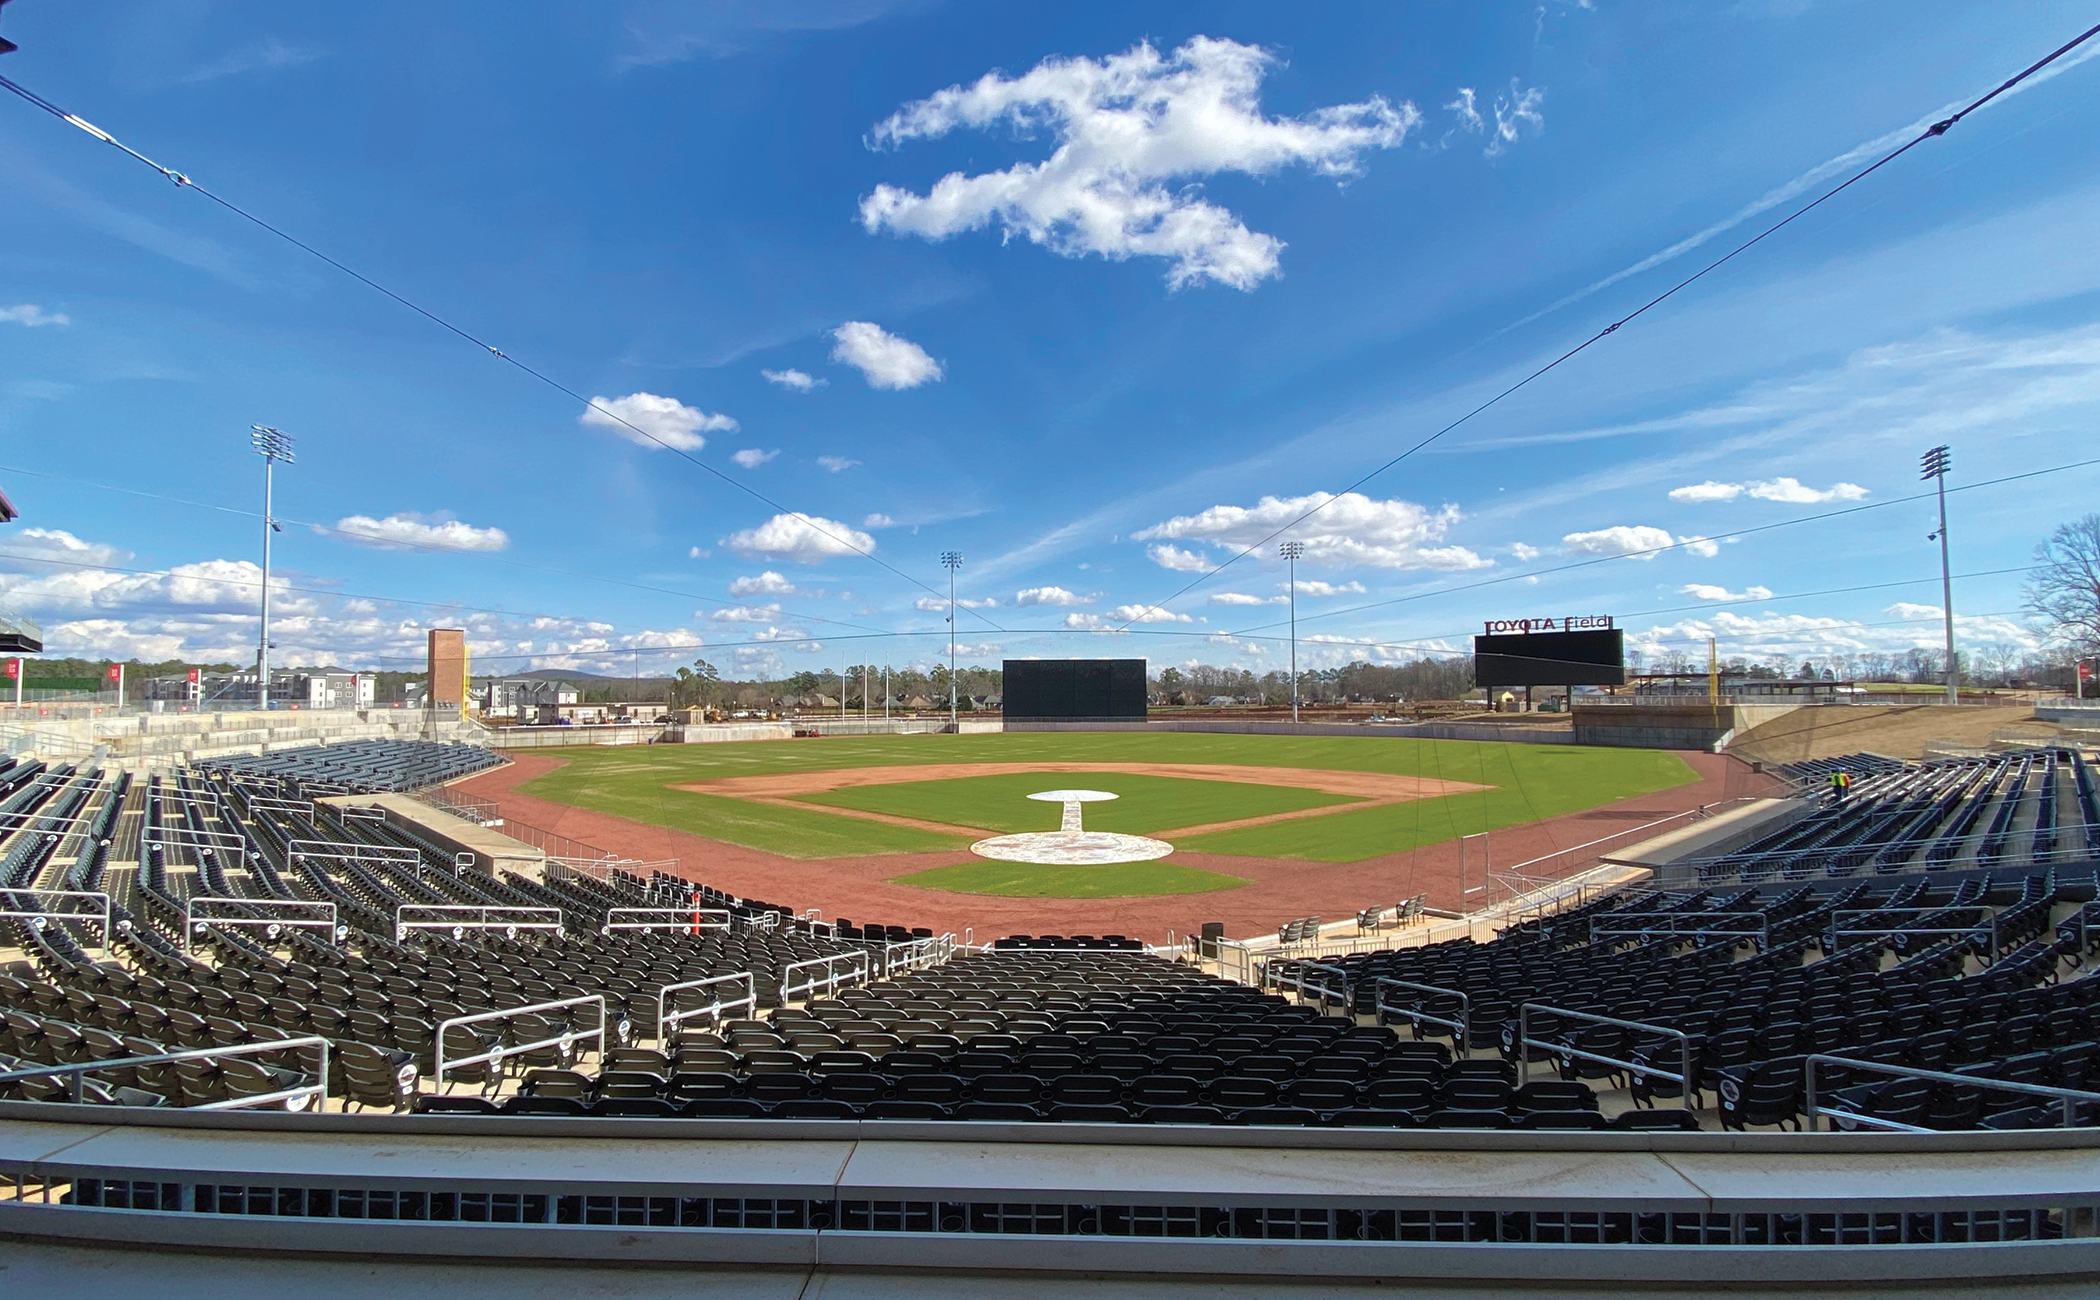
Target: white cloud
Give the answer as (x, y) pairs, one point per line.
(1050, 596)
(1517, 113)
(662, 421)
(805, 539)
(878, 520)
(1132, 133)
(982, 649)
(753, 457)
(1242, 598)
(1794, 492)
(1350, 529)
(939, 604)
(1169, 556)
(886, 360)
(411, 530)
(1315, 587)
(698, 553)
(1122, 614)
(837, 464)
(1637, 541)
(267, 54)
(797, 380)
(1790, 490)
(768, 583)
(1793, 636)
(30, 544)
(30, 314)
(1523, 552)
(1708, 591)
(745, 614)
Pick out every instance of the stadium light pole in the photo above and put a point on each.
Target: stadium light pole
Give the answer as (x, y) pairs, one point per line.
(1935, 465)
(273, 446)
(951, 561)
(1291, 551)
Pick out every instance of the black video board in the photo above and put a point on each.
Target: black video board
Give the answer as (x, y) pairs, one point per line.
(1075, 690)
(1551, 659)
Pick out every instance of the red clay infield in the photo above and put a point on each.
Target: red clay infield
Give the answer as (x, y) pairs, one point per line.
(1278, 889)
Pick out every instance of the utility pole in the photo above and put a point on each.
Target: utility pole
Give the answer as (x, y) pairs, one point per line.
(1935, 466)
(951, 561)
(1291, 551)
(885, 692)
(272, 446)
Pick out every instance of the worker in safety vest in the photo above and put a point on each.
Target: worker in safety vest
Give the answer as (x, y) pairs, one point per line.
(1840, 785)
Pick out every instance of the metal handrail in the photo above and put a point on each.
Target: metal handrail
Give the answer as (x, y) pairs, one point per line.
(1294, 971)
(668, 1019)
(837, 971)
(691, 920)
(1461, 1027)
(1988, 926)
(351, 851)
(510, 920)
(1599, 926)
(568, 1038)
(38, 918)
(917, 954)
(317, 1090)
(193, 925)
(1525, 1042)
(2068, 1096)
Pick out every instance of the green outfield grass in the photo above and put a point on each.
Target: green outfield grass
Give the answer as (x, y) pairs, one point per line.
(1144, 804)
(1532, 781)
(1025, 880)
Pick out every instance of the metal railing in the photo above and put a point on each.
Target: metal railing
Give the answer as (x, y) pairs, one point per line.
(1987, 927)
(566, 1040)
(1805, 864)
(40, 917)
(1549, 868)
(1603, 927)
(1525, 1042)
(315, 1093)
(687, 920)
(669, 1016)
(462, 917)
(2068, 1097)
(916, 954)
(1331, 984)
(347, 851)
(1461, 1027)
(825, 974)
(319, 916)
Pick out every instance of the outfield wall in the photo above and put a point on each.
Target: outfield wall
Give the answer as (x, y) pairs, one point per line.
(1406, 730)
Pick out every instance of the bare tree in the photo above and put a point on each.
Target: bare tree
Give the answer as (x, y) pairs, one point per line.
(2064, 588)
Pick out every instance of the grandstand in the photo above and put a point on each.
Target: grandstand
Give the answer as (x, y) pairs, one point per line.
(270, 944)
(2026, 809)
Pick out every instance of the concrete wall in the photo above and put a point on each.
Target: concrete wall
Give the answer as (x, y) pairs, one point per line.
(1410, 730)
(1675, 725)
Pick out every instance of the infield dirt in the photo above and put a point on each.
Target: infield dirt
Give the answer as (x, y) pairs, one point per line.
(1366, 789)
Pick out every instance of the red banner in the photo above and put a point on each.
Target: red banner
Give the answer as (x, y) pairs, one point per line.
(14, 669)
(195, 676)
(116, 672)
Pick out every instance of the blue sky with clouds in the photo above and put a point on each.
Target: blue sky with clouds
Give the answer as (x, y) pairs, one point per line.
(1097, 295)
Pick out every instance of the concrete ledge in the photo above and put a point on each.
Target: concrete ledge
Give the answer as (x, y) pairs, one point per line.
(1722, 833)
(491, 851)
(1405, 730)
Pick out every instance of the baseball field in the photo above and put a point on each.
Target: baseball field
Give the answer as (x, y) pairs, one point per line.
(924, 799)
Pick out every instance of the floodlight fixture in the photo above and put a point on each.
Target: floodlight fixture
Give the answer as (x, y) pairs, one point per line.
(1934, 465)
(273, 445)
(951, 561)
(1291, 551)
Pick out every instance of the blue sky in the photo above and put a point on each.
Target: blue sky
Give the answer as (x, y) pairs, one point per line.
(1190, 268)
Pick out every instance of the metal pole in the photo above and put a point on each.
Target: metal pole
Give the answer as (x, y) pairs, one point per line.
(1947, 598)
(262, 653)
(1291, 551)
(952, 560)
(1934, 466)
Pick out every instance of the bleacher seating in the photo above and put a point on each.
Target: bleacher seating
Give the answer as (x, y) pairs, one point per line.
(363, 766)
(2014, 811)
(1977, 971)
